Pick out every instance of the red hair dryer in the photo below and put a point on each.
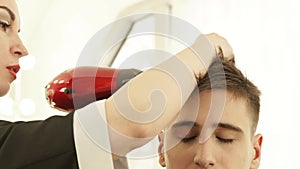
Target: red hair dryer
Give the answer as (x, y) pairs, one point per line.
(76, 88)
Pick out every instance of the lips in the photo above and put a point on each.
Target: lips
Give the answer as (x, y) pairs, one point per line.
(13, 70)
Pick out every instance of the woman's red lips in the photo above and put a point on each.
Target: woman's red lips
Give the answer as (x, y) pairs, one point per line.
(13, 70)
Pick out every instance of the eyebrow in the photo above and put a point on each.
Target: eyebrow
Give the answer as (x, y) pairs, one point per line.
(230, 127)
(219, 125)
(11, 14)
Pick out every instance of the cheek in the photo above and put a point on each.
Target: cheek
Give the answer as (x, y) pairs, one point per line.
(4, 58)
(4, 82)
(179, 157)
(4, 39)
(238, 157)
(4, 50)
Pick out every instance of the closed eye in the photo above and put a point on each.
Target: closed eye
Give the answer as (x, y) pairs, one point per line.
(188, 139)
(223, 140)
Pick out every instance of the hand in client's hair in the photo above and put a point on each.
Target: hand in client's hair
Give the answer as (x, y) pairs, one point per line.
(222, 47)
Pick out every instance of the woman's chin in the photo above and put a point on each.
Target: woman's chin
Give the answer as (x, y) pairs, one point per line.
(4, 88)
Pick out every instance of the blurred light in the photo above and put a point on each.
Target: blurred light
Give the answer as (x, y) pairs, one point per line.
(48, 86)
(27, 107)
(63, 89)
(27, 62)
(6, 106)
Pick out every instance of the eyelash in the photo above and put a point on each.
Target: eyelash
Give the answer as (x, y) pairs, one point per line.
(4, 25)
(187, 139)
(222, 140)
(226, 141)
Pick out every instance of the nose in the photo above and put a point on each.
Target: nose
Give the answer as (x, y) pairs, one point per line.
(17, 47)
(205, 157)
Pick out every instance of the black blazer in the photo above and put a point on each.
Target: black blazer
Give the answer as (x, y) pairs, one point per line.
(47, 144)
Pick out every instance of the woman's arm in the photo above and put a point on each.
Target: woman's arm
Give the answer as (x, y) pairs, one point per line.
(152, 100)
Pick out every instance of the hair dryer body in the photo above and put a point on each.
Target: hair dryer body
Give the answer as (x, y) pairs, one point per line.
(77, 87)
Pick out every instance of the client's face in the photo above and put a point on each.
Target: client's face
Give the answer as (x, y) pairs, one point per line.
(227, 143)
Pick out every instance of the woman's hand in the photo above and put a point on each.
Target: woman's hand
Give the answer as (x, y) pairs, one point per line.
(222, 47)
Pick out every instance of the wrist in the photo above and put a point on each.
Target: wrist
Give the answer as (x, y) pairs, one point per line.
(198, 56)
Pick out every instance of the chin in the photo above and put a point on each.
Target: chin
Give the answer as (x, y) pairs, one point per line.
(4, 89)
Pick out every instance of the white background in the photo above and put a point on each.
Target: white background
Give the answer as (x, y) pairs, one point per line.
(263, 33)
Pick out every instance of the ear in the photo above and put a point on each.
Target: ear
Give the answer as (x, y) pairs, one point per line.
(162, 161)
(256, 142)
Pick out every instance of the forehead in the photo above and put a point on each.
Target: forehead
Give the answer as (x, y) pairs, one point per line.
(219, 106)
(9, 3)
